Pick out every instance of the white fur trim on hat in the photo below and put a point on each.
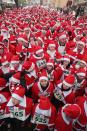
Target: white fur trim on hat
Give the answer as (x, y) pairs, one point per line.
(50, 64)
(4, 63)
(43, 78)
(20, 38)
(67, 84)
(52, 45)
(81, 43)
(66, 59)
(15, 80)
(62, 36)
(12, 62)
(81, 74)
(17, 97)
(12, 42)
(39, 51)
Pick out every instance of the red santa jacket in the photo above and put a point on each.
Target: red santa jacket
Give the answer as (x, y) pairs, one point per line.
(64, 96)
(61, 123)
(37, 91)
(40, 62)
(82, 120)
(4, 96)
(43, 118)
(21, 111)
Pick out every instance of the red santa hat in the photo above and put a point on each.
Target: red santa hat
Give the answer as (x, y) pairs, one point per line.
(23, 38)
(3, 83)
(4, 29)
(15, 59)
(81, 72)
(50, 62)
(29, 66)
(19, 93)
(43, 76)
(66, 58)
(16, 77)
(73, 111)
(69, 80)
(52, 44)
(62, 36)
(44, 103)
(39, 49)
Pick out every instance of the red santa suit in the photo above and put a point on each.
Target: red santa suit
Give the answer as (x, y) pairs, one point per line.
(65, 117)
(81, 122)
(74, 54)
(3, 84)
(80, 85)
(37, 90)
(31, 74)
(21, 111)
(44, 115)
(4, 96)
(65, 96)
(40, 62)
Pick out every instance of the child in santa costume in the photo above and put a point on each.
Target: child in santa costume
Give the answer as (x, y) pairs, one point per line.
(42, 87)
(19, 107)
(64, 93)
(43, 115)
(66, 116)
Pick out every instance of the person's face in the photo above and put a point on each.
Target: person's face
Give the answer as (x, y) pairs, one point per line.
(15, 101)
(65, 63)
(52, 48)
(27, 31)
(6, 65)
(65, 87)
(1, 51)
(63, 41)
(82, 65)
(40, 54)
(15, 65)
(49, 67)
(81, 77)
(80, 47)
(44, 83)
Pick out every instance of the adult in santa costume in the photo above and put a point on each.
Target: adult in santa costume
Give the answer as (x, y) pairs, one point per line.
(66, 116)
(19, 107)
(80, 82)
(43, 115)
(63, 92)
(39, 58)
(42, 87)
(81, 123)
(4, 96)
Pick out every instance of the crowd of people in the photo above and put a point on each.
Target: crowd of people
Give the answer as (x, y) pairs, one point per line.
(43, 70)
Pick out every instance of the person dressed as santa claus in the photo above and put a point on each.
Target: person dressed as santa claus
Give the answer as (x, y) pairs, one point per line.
(43, 115)
(15, 65)
(64, 93)
(80, 82)
(66, 116)
(81, 123)
(4, 96)
(39, 58)
(19, 107)
(42, 87)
